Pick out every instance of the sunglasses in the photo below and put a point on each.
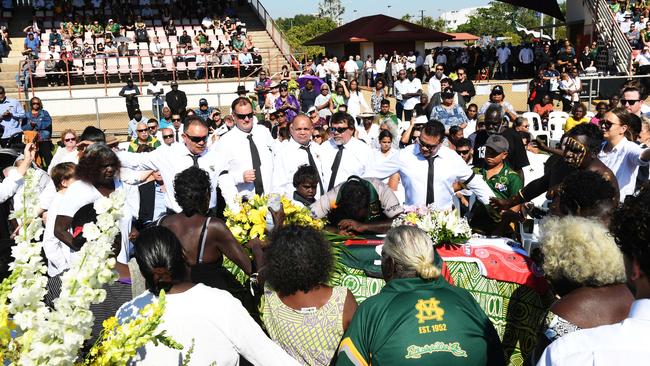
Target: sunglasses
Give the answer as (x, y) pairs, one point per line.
(607, 124)
(152, 127)
(168, 136)
(244, 116)
(462, 152)
(440, 69)
(317, 136)
(629, 101)
(176, 119)
(197, 139)
(71, 139)
(461, 73)
(339, 129)
(143, 130)
(427, 146)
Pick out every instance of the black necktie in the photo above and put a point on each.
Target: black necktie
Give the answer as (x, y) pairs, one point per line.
(312, 163)
(255, 156)
(195, 160)
(176, 134)
(335, 167)
(430, 195)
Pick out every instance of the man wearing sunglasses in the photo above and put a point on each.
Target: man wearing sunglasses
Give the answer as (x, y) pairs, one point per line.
(632, 100)
(144, 138)
(343, 155)
(170, 160)
(246, 152)
(429, 170)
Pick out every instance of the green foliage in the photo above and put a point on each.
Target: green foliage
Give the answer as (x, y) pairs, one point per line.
(297, 35)
(427, 22)
(298, 20)
(498, 20)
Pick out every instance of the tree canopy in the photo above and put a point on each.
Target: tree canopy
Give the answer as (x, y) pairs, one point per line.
(302, 28)
(426, 21)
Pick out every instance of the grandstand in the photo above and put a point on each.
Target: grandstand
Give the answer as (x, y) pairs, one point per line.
(162, 55)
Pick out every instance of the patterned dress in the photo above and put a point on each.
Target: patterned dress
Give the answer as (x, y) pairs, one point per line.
(310, 336)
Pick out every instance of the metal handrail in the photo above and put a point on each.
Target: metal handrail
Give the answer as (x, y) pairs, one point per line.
(276, 34)
(611, 33)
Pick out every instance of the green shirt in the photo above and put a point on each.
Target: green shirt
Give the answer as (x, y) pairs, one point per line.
(113, 28)
(417, 322)
(505, 184)
(151, 141)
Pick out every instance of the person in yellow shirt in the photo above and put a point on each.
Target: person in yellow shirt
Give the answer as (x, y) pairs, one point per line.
(578, 117)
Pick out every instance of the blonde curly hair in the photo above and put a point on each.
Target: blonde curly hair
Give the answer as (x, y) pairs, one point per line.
(581, 250)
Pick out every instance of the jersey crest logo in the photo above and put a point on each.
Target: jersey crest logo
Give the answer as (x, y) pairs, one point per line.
(429, 310)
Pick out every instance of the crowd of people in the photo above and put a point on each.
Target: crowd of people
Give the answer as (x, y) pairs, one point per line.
(218, 43)
(180, 170)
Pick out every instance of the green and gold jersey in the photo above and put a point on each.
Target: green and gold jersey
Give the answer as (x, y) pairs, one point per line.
(417, 322)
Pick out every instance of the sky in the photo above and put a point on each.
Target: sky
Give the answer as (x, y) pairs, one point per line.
(433, 8)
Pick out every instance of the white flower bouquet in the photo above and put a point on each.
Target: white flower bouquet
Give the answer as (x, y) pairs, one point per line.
(444, 226)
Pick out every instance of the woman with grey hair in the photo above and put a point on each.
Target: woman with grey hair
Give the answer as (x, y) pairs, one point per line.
(418, 315)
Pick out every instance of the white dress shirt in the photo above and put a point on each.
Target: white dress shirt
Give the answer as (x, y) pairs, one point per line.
(288, 160)
(503, 53)
(371, 137)
(624, 160)
(408, 87)
(624, 343)
(413, 168)
(233, 150)
(434, 85)
(380, 65)
(356, 159)
(171, 160)
(526, 56)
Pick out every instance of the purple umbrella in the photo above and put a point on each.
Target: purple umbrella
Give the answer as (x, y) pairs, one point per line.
(315, 79)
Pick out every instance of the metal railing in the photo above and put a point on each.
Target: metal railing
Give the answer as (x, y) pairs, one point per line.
(274, 31)
(110, 114)
(611, 34)
(79, 71)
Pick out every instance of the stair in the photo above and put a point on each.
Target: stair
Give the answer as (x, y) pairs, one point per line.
(20, 18)
(271, 53)
(610, 34)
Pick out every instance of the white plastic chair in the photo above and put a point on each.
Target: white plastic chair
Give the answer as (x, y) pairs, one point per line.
(555, 130)
(558, 114)
(534, 120)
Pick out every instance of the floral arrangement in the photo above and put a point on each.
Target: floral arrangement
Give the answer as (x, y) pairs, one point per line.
(118, 342)
(444, 226)
(31, 333)
(21, 294)
(250, 220)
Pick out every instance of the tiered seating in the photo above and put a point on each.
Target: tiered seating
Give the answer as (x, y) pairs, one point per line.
(141, 59)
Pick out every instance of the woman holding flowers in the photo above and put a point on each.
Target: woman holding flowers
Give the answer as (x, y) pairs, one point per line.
(209, 321)
(206, 239)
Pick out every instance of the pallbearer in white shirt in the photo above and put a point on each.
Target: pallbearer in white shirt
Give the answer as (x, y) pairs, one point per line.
(246, 152)
(429, 170)
(343, 154)
(298, 151)
(171, 160)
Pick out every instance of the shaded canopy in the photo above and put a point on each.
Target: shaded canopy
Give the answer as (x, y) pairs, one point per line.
(548, 7)
(378, 28)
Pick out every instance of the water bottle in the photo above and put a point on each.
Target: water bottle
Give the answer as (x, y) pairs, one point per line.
(274, 204)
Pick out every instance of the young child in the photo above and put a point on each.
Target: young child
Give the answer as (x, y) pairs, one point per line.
(305, 181)
(503, 181)
(58, 254)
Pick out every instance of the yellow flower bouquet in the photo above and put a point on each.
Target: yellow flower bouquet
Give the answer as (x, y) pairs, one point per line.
(250, 221)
